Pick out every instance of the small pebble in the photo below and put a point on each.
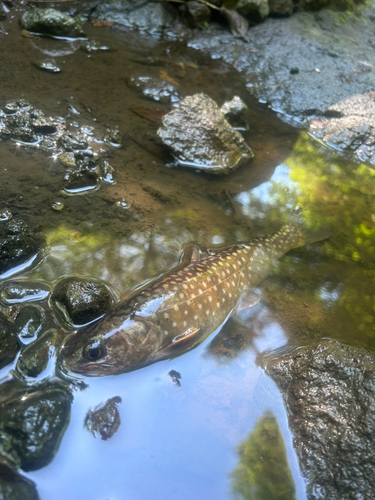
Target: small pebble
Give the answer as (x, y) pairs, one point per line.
(58, 205)
(5, 214)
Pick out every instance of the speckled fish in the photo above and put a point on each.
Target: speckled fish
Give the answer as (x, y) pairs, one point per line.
(176, 313)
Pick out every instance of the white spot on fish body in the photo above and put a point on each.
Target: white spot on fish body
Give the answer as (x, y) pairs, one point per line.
(174, 324)
(185, 323)
(175, 307)
(166, 315)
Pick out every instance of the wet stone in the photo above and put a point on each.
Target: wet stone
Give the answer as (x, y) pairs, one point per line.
(82, 300)
(18, 292)
(81, 181)
(197, 14)
(104, 419)
(107, 173)
(329, 391)
(9, 345)
(113, 137)
(12, 108)
(235, 112)
(36, 356)
(5, 214)
(3, 11)
(32, 423)
(152, 17)
(17, 226)
(93, 46)
(154, 88)
(49, 66)
(71, 142)
(13, 486)
(68, 160)
(28, 323)
(50, 22)
(57, 205)
(200, 136)
(14, 251)
(251, 7)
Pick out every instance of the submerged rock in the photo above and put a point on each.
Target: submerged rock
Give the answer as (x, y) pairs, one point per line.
(200, 136)
(9, 344)
(155, 89)
(28, 323)
(50, 22)
(32, 423)
(71, 142)
(81, 180)
(329, 390)
(105, 419)
(18, 291)
(48, 65)
(82, 300)
(37, 355)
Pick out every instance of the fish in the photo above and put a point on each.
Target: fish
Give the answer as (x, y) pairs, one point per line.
(179, 310)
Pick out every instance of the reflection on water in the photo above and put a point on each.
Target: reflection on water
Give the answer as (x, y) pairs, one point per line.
(263, 472)
(180, 441)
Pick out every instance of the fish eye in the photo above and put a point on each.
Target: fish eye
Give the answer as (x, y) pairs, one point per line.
(94, 351)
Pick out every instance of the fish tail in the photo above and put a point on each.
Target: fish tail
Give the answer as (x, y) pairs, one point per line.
(297, 237)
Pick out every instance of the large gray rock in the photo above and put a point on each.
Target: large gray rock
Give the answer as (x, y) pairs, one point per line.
(251, 7)
(303, 65)
(282, 7)
(329, 391)
(350, 126)
(201, 137)
(153, 17)
(50, 22)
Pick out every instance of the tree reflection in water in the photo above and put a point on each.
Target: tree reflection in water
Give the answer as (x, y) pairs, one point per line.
(263, 472)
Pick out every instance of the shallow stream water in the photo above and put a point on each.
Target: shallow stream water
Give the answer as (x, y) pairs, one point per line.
(182, 441)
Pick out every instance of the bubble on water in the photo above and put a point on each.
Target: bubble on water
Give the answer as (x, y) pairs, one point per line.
(58, 205)
(122, 203)
(5, 214)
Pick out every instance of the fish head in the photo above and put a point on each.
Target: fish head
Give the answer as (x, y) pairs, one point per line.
(107, 350)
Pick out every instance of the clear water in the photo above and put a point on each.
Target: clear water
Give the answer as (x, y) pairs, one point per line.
(184, 441)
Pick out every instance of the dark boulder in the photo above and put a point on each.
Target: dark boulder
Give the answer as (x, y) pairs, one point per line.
(329, 391)
(82, 300)
(32, 423)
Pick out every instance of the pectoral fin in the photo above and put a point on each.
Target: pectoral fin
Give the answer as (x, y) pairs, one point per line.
(181, 343)
(249, 299)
